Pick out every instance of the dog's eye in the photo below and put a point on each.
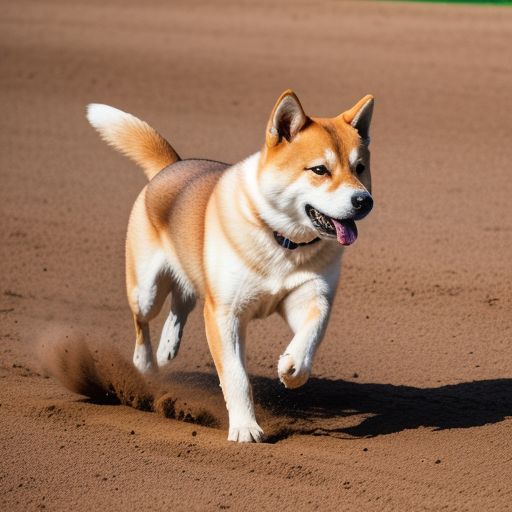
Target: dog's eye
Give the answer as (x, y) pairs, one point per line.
(319, 169)
(360, 168)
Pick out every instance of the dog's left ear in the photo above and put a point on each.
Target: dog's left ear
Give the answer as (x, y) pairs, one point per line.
(286, 120)
(360, 117)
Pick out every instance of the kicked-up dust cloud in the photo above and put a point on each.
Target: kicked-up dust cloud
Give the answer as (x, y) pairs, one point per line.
(103, 375)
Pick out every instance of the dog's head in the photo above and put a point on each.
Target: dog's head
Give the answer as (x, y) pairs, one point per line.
(315, 173)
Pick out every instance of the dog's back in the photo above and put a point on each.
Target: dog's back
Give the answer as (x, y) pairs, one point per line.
(176, 200)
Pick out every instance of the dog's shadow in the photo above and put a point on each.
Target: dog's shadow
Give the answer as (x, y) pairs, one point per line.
(339, 408)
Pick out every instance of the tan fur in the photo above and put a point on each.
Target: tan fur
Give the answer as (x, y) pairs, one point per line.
(349, 115)
(176, 202)
(319, 134)
(139, 335)
(142, 143)
(141, 236)
(272, 137)
(213, 337)
(313, 312)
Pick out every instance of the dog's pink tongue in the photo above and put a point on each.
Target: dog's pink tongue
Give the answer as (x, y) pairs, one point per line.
(346, 231)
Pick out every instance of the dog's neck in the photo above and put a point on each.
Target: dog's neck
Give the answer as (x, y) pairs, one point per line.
(290, 244)
(263, 211)
(248, 221)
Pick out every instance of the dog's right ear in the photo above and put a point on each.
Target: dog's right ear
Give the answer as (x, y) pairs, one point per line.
(360, 117)
(286, 120)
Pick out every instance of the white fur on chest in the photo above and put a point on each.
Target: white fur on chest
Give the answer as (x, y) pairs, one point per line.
(253, 272)
(241, 288)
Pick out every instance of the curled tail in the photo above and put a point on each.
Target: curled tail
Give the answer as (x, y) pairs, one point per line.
(132, 137)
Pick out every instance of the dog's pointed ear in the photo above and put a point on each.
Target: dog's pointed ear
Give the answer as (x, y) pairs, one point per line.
(360, 117)
(286, 120)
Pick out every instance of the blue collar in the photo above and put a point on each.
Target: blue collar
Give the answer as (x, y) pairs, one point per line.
(288, 244)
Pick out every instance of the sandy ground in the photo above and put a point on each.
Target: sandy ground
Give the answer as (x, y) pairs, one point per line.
(410, 404)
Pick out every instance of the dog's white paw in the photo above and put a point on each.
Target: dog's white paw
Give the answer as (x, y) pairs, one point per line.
(143, 359)
(167, 350)
(246, 434)
(292, 372)
(169, 342)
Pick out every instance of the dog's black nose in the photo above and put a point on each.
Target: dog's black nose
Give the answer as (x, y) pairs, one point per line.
(363, 203)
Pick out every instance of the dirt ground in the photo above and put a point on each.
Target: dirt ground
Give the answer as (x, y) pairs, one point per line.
(410, 404)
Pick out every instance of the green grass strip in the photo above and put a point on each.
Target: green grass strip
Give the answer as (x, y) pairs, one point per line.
(480, 2)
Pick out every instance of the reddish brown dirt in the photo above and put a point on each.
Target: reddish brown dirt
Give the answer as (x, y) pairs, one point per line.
(412, 392)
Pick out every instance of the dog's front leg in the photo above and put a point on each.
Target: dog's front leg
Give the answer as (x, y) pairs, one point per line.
(225, 337)
(306, 310)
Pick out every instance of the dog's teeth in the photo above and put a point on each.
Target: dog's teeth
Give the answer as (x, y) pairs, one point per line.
(320, 220)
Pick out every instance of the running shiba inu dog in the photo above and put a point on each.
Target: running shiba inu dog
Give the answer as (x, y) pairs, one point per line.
(261, 236)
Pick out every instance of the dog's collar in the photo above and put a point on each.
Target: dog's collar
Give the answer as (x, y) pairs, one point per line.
(288, 244)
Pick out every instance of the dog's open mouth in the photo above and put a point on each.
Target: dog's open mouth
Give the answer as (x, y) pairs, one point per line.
(345, 230)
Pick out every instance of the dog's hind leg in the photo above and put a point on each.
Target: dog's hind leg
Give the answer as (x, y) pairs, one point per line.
(170, 339)
(143, 354)
(148, 281)
(146, 296)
